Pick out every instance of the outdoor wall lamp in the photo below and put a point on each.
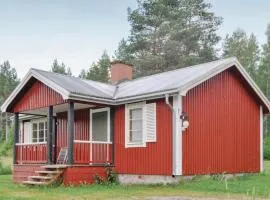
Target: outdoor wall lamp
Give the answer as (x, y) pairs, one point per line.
(185, 122)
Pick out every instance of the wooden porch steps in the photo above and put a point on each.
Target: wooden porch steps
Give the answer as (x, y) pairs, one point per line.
(49, 175)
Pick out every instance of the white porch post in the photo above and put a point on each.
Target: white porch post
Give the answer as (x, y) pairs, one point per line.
(177, 135)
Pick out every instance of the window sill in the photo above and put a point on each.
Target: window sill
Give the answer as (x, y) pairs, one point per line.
(131, 145)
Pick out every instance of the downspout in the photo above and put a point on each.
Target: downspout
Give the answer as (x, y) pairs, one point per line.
(173, 129)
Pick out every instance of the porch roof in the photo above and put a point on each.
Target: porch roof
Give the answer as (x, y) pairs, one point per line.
(149, 87)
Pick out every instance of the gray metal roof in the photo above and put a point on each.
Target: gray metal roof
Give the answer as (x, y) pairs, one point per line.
(154, 86)
(146, 85)
(79, 86)
(167, 80)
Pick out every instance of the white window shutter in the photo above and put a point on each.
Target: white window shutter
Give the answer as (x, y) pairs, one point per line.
(150, 118)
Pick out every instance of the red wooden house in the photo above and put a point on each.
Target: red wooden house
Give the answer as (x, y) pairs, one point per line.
(140, 127)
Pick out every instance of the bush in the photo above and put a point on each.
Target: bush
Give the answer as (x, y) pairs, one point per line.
(4, 170)
(111, 177)
(6, 146)
(266, 148)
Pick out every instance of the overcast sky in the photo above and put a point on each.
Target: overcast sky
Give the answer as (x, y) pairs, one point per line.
(76, 32)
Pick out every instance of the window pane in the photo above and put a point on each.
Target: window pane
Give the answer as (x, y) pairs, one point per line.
(34, 126)
(41, 126)
(41, 136)
(135, 113)
(136, 136)
(135, 125)
(99, 126)
(34, 136)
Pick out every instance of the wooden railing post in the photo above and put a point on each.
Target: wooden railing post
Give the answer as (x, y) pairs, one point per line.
(70, 134)
(16, 136)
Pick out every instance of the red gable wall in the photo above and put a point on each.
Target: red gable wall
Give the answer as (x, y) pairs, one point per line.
(38, 95)
(224, 131)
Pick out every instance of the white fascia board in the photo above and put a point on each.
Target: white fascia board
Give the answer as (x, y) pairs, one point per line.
(37, 76)
(183, 90)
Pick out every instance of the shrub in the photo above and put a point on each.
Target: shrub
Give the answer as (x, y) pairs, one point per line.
(4, 170)
(6, 146)
(111, 177)
(266, 148)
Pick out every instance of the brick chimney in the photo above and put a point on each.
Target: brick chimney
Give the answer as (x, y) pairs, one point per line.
(120, 71)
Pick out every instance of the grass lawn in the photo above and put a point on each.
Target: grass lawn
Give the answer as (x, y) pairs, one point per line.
(249, 185)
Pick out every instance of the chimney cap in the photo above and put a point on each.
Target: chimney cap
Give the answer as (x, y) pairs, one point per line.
(121, 62)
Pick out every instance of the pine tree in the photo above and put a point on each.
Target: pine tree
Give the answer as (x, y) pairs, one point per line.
(60, 68)
(245, 48)
(99, 71)
(8, 81)
(169, 34)
(264, 67)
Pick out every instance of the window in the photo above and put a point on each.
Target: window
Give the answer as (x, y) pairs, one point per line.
(140, 124)
(39, 131)
(100, 124)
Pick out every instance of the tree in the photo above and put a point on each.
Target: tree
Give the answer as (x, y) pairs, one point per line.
(264, 67)
(263, 79)
(169, 34)
(60, 68)
(245, 48)
(8, 81)
(98, 71)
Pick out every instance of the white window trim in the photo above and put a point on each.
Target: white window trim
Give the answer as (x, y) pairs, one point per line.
(38, 121)
(107, 109)
(127, 108)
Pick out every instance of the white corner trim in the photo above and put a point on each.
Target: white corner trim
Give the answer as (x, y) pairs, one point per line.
(261, 139)
(177, 136)
(65, 94)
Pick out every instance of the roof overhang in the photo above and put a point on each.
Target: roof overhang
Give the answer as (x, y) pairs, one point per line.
(147, 96)
(235, 63)
(32, 74)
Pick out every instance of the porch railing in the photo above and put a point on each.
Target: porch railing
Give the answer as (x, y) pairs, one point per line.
(31, 153)
(85, 152)
(89, 152)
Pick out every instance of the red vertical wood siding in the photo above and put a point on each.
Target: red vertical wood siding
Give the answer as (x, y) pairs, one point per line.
(61, 131)
(77, 175)
(81, 127)
(82, 124)
(224, 131)
(38, 95)
(156, 157)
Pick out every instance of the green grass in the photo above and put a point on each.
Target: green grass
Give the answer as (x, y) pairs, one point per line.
(248, 185)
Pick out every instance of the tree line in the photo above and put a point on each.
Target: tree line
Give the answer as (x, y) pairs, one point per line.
(166, 35)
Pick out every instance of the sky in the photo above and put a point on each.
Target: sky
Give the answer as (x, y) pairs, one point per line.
(34, 33)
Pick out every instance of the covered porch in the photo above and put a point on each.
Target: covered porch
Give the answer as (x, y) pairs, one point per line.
(84, 130)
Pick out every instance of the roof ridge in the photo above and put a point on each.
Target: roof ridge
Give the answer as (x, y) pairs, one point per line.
(179, 69)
